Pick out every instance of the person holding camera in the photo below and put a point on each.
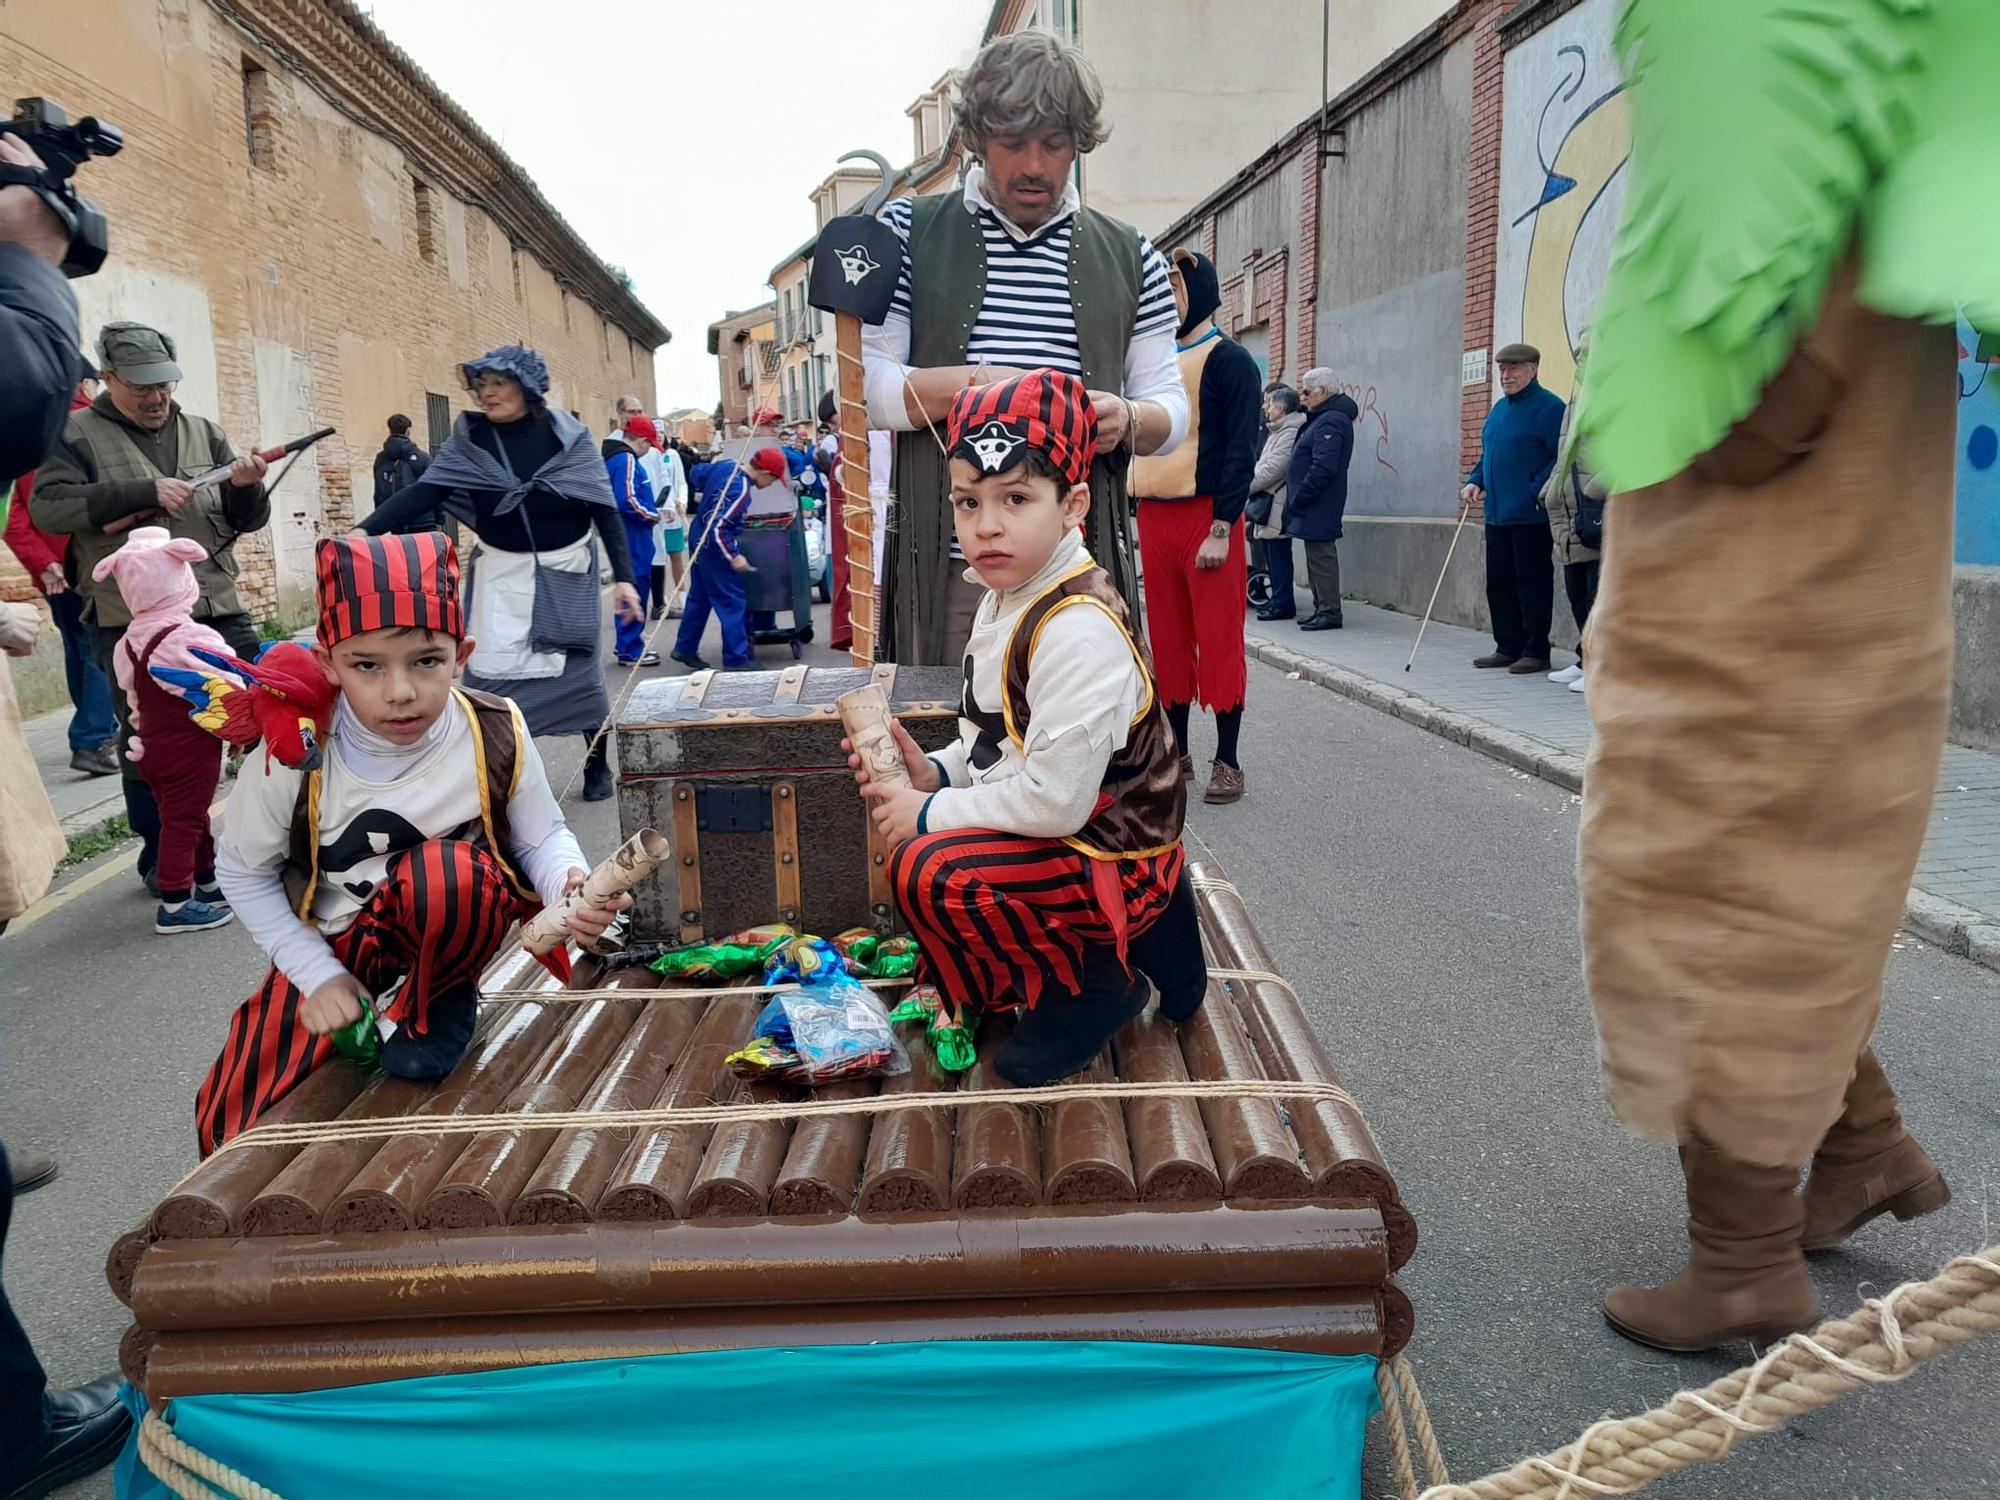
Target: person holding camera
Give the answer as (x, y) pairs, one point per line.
(124, 461)
(47, 1438)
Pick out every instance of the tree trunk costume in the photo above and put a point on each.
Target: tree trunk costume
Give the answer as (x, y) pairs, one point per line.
(1771, 401)
(947, 264)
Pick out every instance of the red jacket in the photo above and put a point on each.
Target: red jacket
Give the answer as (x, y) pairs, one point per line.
(37, 550)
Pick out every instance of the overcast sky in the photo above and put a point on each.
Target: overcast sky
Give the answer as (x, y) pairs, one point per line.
(680, 138)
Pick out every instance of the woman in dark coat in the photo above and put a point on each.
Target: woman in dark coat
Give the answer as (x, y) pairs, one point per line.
(529, 483)
(1316, 492)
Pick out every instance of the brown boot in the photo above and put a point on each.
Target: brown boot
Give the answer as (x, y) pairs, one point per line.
(1225, 785)
(1868, 1165)
(1745, 1277)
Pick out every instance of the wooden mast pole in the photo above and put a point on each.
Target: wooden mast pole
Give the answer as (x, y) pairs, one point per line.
(856, 262)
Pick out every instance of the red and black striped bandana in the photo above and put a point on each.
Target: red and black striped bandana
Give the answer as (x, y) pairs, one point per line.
(991, 426)
(388, 582)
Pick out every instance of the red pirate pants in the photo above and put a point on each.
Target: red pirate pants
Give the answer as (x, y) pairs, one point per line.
(1001, 920)
(436, 920)
(1194, 616)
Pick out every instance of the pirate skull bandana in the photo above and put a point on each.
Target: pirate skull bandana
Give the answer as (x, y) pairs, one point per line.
(388, 582)
(993, 426)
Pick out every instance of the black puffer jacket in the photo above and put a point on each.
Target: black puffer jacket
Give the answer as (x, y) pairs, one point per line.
(400, 464)
(1316, 496)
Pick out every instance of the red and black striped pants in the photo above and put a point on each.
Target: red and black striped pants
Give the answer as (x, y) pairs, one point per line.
(439, 915)
(1002, 919)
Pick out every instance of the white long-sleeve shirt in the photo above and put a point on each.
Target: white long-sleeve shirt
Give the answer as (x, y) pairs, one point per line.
(1085, 685)
(1026, 319)
(376, 798)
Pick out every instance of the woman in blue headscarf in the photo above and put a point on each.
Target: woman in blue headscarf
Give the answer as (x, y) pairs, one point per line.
(529, 483)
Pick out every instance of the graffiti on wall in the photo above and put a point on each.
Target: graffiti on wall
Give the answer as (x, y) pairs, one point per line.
(1372, 424)
(1565, 138)
(1978, 446)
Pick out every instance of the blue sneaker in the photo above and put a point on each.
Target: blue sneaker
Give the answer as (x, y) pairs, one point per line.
(209, 891)
(192, 916)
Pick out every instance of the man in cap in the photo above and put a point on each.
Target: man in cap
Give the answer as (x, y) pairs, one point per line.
(1517, 453)
(1008, 273)
(125, 460)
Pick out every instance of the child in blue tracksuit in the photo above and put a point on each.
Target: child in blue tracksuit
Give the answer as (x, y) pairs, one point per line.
(716, 581)
(634, 493)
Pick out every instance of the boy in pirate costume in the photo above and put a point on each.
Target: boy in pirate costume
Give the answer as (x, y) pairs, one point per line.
(1039, 857)
(392, 872)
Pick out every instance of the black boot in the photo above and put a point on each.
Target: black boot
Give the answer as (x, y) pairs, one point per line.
(1169, 953)
(452, 1015)
(1063, 1033)
(597, 771)
(87, 1428)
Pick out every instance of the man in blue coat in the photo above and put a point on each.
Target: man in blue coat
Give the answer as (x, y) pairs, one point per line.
(1517, 453)
(1316, 490)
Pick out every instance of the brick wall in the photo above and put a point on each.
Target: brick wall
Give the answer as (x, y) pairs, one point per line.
(1482, 222)
(334, 295)
(1307, 343)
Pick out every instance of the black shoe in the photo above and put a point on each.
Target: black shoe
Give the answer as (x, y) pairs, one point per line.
(1493, 659)
(1530, 666)
(150, 881)
(597, 781)
(692, 662)
(650, 659)
(1268, 613)
(1326, 619)
(30, 1170)
(87, 1429)
(1062, 1034)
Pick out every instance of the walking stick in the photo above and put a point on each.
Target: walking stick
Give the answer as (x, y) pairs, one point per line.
(1464, 511)
(855, 266)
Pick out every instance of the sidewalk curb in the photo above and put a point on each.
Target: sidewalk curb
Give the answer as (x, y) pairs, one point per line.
(1958, 930)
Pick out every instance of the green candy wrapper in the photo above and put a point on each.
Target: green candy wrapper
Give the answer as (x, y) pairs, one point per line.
(360, 1041)
(739, 954)
(950, 1038)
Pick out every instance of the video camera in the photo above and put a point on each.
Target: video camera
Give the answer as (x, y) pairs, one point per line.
(64, 147)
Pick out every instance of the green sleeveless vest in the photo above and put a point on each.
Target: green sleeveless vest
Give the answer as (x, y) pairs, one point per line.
(114, 456)
(947, 287)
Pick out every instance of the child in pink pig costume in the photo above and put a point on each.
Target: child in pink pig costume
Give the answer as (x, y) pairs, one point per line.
(181, 761)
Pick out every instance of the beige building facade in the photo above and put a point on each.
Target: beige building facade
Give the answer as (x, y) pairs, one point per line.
(324, 235)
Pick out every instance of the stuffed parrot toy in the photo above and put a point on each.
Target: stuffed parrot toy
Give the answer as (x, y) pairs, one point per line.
(284, 699)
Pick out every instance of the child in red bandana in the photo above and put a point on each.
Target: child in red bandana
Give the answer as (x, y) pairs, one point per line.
(1039, 858)
(392, 873)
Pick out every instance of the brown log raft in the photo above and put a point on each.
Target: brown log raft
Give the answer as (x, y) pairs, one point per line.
(1227, 1220)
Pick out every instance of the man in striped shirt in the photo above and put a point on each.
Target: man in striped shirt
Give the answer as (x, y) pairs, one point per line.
(1008, 274)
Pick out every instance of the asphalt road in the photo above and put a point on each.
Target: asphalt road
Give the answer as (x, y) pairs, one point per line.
(1423, 899)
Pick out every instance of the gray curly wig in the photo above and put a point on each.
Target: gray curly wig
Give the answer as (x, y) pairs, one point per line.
(1025, 83)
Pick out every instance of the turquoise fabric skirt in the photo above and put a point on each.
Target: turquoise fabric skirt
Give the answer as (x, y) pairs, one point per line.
(976, 1420)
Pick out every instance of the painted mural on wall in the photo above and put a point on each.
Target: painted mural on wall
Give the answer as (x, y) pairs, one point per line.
(1565, 137)
(1978, 446)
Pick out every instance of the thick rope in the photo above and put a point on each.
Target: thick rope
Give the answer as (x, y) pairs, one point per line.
(187, 1471)
(580, 996)
(312, 1132)
(1883, 1341)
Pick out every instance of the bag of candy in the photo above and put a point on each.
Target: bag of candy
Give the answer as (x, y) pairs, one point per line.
(823, 1031)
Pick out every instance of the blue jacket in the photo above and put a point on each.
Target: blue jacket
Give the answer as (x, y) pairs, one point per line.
(629, 485)
(722, 492)
(1517, 453)
(1316, 488)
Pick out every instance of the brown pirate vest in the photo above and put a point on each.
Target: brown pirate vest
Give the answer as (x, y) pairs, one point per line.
(1147, 800)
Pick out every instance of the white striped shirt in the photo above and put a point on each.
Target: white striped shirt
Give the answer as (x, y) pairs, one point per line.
(1026, 319)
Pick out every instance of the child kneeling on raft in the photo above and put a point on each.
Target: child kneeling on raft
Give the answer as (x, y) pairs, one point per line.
(1038, 857)
(391, 873)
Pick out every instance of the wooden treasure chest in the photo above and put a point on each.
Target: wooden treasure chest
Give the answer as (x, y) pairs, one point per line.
(743, 771)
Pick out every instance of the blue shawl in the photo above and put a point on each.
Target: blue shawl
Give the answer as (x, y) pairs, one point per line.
(576, 472)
